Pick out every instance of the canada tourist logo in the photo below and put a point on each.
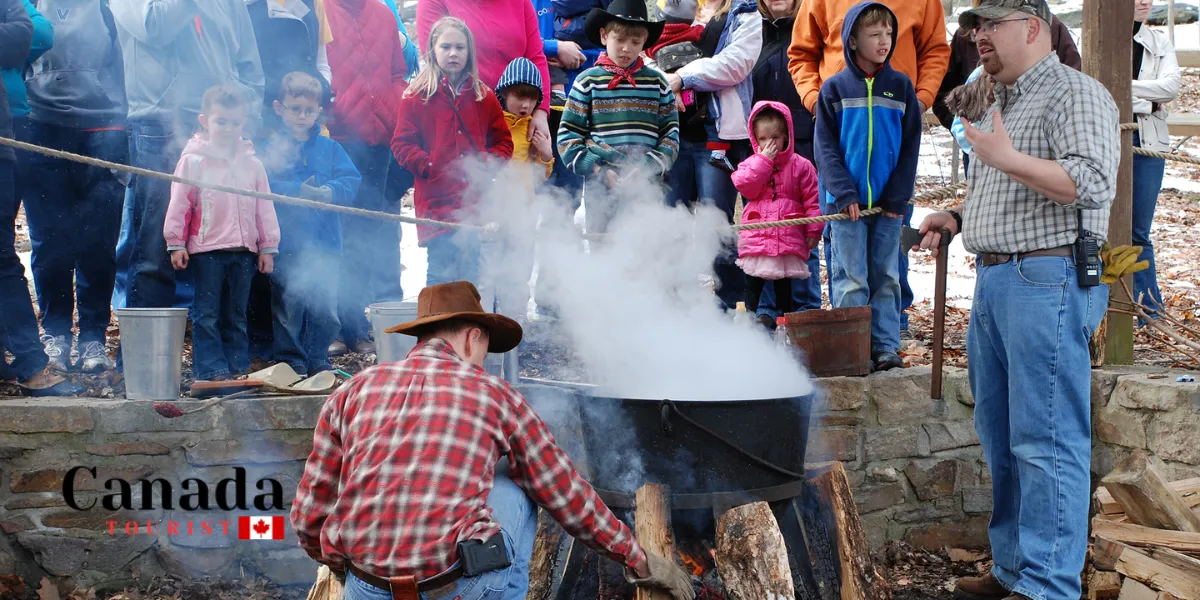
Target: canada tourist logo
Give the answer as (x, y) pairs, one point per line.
(192, 494)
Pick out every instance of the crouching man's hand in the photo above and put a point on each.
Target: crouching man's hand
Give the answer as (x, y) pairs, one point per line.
(664, 574)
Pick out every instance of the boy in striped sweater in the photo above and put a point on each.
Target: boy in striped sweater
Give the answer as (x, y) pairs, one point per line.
(620, 113)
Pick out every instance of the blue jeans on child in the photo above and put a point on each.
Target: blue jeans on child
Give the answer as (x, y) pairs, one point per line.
(453, 256)
(304, 310)
(1147, 183)
(806, 293)
(1032, 389)
(220, 346)
(71, 201)
(906, 293)
(865, 272)
(517, 516)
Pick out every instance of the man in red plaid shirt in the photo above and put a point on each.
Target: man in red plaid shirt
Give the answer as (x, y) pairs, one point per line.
(402, 489)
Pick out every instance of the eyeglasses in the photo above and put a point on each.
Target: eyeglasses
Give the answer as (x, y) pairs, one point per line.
(989, 27)
(296, 111)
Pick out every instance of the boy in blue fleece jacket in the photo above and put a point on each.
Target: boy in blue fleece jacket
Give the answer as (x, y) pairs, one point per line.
(867, 142)
(302, 163)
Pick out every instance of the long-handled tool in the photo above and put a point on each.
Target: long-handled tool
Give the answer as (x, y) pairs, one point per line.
(910, 237)
(170, 410)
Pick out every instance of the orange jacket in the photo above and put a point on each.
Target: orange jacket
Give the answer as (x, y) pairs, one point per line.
(921, 52)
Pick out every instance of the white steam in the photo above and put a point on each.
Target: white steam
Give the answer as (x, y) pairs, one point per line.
(634, 308)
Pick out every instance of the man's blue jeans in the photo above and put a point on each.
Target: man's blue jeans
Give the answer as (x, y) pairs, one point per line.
(304, 310)
(694, 180)
(80, 203)
(1147, 182)
(865, 272)
(220, 346)
(453, 256)
(370, 247)
(1030, 374)
(18, 325)
(517, 516)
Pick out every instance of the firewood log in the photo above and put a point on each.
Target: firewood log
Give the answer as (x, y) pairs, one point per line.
(1188, 489)
(1104, 585)
(1168, 571)
(1128, 533)
(545, 555)
(652, 522)
(752, 555)
(860, 580)
(1138, 484)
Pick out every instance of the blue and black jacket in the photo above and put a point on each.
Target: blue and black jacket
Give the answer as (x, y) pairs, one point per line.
(289, 164)
(868, 133)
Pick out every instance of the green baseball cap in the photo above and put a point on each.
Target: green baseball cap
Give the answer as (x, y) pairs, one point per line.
(996, 10)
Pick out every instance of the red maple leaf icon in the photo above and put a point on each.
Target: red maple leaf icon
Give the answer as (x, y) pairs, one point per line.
(261, 527)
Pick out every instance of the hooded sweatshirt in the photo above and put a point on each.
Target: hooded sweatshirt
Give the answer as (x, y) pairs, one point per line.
(16, 36)
(80, 83)
(921, 49)
(207, 220)
(14, 79)
(868, 133)
(174, 50)
(774, 190)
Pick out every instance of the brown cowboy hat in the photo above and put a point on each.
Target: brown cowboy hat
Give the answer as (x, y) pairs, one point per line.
(460, 300)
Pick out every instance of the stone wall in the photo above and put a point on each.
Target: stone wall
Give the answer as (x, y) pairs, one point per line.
(915, 463)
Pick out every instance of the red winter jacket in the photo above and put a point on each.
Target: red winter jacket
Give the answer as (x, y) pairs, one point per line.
(367, 61)
(430, 142)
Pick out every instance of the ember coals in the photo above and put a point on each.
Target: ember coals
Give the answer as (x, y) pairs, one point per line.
(698, 557)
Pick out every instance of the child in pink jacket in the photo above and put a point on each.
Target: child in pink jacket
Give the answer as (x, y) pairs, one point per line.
(222, 236)
(776, 184)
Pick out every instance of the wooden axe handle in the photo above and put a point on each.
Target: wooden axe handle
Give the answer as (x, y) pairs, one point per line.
(939, 315)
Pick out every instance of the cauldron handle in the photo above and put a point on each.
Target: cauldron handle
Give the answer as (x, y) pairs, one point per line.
(668, 406)
(664, 417)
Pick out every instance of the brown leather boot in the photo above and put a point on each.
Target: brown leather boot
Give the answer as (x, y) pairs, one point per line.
(980, 588)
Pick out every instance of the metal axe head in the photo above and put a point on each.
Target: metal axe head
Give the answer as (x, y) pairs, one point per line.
(910, 237)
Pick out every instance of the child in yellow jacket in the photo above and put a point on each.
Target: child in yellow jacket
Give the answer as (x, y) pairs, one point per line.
(520, 93)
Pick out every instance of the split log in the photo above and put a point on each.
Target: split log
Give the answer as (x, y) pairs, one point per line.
(860, 579)
(752, 555)
(1136, 590)
(1188, 489)
(652, 522)
(1128, 533)
(1138, 484)
(1177, 575)
(1104, 585)
(545, 557)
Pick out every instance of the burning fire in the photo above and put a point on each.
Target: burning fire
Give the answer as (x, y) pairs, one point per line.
(698, 558)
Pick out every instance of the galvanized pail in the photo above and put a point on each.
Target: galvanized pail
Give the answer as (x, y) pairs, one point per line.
(152, 351)
(391, 347)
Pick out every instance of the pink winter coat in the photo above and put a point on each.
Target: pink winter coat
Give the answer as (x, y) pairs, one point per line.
(206, 220)
(793, 196)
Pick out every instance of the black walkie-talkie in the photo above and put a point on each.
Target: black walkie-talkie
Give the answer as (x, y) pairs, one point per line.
(1087, 257)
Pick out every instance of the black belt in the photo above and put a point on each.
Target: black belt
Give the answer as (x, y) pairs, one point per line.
(990, 259)
(407, 587)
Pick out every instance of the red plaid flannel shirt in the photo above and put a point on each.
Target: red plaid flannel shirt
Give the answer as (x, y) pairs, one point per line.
(404, 456)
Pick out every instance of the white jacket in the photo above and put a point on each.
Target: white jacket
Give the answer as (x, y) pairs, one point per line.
(726, 72)
(1156, 83)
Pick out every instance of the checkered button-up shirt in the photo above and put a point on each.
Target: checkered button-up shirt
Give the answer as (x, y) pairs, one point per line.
(1057, 113)
(403, 460)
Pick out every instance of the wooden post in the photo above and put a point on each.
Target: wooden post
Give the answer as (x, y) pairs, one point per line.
(1107, 52)
(652, 522)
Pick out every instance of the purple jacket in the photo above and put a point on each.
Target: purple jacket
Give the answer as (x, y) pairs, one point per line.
(785, 188)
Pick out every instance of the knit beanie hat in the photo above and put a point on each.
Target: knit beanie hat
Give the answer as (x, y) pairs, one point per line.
(521, 70)
(678, 9)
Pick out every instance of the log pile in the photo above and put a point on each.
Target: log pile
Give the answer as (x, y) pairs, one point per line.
(1145, 536)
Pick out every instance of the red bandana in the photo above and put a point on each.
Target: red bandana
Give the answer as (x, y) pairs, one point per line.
(676, 33)
(619, 73)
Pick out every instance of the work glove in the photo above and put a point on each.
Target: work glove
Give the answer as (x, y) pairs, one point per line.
(322, 193)
(664, 575)
(1120, 261)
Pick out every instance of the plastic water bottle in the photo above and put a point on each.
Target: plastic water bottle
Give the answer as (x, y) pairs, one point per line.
(781, 336)
(740, 315)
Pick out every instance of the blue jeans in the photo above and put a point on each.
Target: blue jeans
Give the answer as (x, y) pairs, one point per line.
(865, 273)
(453, 256)
(219, 343)
(806, 293)
(304, 310)
(370, 247)
(1147, 182)
(517, 517)
(1032, 388)
(694, 180)
(71, 201)
(18, 325)
(906, 293)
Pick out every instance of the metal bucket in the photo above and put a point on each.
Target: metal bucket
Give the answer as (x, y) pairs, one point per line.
(152, 351)
(391, 347)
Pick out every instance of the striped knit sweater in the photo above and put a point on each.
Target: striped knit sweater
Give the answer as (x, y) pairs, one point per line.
(608, 127)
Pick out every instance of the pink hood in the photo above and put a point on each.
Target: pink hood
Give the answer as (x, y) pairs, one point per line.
(206, 220)
(776, 190)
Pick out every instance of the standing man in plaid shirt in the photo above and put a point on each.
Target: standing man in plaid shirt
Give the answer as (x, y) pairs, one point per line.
(402, 489)
(1045, 176)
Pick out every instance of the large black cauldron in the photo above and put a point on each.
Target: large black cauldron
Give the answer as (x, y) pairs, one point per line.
(709, 452)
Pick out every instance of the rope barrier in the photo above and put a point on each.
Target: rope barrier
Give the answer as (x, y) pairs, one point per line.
(942, 193)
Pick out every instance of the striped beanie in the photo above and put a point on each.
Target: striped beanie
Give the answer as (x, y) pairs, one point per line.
(521, 70)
